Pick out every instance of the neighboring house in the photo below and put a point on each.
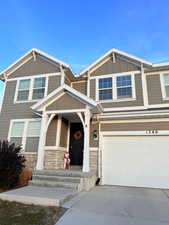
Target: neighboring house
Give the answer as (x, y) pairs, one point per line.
(118, 108)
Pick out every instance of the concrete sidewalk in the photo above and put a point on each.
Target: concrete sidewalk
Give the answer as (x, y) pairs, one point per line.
(118, 206)
(46, 196)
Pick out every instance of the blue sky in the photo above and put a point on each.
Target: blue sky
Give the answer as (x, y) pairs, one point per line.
(78, 32)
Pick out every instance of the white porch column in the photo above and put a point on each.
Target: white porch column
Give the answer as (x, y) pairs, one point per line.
(41, 148)
(86, 165)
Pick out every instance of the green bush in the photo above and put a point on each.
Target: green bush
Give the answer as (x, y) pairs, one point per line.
(11, 164)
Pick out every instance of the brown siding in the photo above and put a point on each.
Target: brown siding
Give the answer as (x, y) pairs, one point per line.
(64, 133)
(94, 143)
(53, 83)
(154, 90)
(40, 66)
(80, 86)
(66, 102)
(93, 89)
(109, 67)
(135, 126)
(51, 133)
(67, 81)
(13, 111)
(137, 102)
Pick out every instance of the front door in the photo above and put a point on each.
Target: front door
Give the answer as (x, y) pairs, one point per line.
(76, 144)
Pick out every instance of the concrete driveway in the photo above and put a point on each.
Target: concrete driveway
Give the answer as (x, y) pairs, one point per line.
(118, 206)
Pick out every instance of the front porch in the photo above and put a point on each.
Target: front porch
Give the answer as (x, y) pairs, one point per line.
(65, 127)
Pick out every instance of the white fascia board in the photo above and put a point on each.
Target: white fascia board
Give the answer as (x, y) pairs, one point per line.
(17, 61)
(48, 97)
(117, 52)
(51, 57)
(41, 53)
(80, 95)
(71, 90)
(161, 64)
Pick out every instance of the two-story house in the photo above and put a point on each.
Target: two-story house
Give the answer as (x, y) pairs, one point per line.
(113, 118)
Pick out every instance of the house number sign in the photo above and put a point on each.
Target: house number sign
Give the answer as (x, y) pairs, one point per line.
(152, 132)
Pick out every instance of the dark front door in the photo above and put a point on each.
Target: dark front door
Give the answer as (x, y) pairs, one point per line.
(76, 144)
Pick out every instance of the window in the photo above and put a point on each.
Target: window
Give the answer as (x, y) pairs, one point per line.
(105, 88)
(31, 89)
(166, 85)
(39, 88)
(116, 87)
(23, 90)
(34, 129)
(26, 133)
(17, 133)
(124, 87)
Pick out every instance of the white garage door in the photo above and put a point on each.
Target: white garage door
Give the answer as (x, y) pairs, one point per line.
(141, 161)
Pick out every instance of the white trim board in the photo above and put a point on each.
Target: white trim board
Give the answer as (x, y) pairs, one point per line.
(114, 88)
(31, 88)
(34, 76)
(32, 51)
(113, 50)
(24, 137)
(135, 133)
(136, 121)
(83, 98)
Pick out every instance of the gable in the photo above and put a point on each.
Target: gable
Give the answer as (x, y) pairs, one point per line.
(110, 67)
(65, 102)
(31, 67)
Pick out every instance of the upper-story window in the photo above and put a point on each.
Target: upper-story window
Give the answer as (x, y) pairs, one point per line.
(105, 88)
(31, 89)
(116, 87)
(39, 88)
(166, 85)
(124, 87)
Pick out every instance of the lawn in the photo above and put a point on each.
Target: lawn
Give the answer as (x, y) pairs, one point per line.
(12, 213)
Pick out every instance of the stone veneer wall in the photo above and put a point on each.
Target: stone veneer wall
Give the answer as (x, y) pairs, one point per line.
(30, 160)
(94, 160)
(53, 159)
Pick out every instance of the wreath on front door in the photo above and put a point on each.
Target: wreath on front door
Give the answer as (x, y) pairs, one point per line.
(77, 135)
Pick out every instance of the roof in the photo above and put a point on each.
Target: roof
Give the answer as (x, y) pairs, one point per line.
(65, 88)
(34, 50)
(114, 50)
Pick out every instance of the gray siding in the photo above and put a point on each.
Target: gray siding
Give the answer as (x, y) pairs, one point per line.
(109, 67)
(40, 66)
(80, 86)
(93, 89)
(13, 111)
(66, 102)
(64, 133)
(94, 143)
(135, 126)
(154, 90)
(51, 133)
(53, 83)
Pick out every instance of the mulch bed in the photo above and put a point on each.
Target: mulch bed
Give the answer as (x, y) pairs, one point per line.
(12, 213)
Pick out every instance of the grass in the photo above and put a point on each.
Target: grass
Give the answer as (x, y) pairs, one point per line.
(19, 214)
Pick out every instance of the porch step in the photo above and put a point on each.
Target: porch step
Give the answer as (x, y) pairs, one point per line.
(41, 183)
(68, 179)
(57, 178)
(66, 173)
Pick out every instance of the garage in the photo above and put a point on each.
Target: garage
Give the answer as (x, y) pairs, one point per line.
(140, 161)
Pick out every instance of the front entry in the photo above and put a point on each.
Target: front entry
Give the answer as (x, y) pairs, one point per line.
(76, 144)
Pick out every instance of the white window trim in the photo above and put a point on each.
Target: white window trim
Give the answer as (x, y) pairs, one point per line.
(30, 89)
(163, 91)
(24, 137)
(114, 88)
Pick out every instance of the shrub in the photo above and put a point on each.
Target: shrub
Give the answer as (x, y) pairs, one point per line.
(11, 164)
